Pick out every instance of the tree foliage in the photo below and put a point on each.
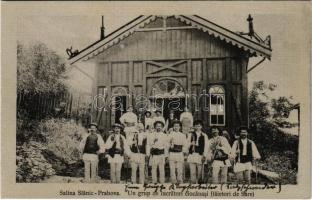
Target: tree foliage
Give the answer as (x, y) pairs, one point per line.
(264, 110)
(40, 70)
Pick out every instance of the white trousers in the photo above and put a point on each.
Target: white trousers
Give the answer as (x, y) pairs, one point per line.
(90, 167)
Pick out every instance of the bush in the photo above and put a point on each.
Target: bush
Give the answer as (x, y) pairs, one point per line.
(62, 138)
(31, 164)
(282, 163)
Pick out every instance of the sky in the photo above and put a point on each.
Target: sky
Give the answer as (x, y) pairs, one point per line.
(79, 27)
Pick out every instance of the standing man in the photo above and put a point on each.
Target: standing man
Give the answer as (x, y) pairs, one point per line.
(117, 148)
(149, 121)
(129, 120)
(159, 117)
(220, 150)
(91, 146)
(198, 151)
(187, 120)
(244, 151)
(137, 155)
(158, 149)
(177, 151)
(169, 122)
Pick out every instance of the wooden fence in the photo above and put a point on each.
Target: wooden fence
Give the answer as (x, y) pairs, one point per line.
(39, 106)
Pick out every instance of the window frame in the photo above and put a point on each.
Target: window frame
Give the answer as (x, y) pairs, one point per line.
(224, 107)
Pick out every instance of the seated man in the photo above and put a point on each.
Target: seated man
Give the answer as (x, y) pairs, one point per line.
(244, 151)
(91, 145)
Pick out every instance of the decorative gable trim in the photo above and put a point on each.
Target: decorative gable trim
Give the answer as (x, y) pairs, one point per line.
(193, 21)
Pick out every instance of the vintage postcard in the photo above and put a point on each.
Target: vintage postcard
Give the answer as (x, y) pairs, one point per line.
(189, 99)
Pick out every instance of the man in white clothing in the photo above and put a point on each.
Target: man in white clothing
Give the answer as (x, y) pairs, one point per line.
(220, 150)
(116, 147)
(137, 155)
(244, 151)
(149, 121)
(177, 151)
(159, 116)
(187, 121)
(198, 151)
(158, 150)
(129, 120)
(91, 146)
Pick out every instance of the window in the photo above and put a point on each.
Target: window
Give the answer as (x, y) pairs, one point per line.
(217, 106)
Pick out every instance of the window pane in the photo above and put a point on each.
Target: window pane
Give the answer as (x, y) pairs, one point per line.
(220, 100)
(220, 119)
(213, 119)
(213, 109)
(214, 99)
(220, 109)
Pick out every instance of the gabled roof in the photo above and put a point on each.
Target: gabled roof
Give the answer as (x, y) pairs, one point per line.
(235, 39)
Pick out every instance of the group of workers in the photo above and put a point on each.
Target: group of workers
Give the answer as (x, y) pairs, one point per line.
(181, 143)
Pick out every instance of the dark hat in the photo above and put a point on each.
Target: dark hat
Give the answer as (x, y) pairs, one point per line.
(215, 127)
(93, 124)
(198, 122)
(158, 122)
(148, 112)
(118, 125)
(176, 122)
(243, 128)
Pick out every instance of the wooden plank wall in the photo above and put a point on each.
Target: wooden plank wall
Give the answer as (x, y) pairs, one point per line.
(167, 45)
(208, 61)
(204, 74)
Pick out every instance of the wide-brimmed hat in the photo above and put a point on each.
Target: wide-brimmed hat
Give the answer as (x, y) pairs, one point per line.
(158, 122)
(118, 125)
(93, 124)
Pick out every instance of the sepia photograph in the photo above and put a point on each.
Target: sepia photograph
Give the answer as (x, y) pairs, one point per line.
(145, 104)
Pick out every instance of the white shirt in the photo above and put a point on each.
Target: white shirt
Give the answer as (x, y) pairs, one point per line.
(178, 138)
(141, 137)
(109, 143)
(129, 117)
(158, 140)
(100, 142)
(149, 121)
(255, 152)
(222, 142)
(198, 134)
(186, 116)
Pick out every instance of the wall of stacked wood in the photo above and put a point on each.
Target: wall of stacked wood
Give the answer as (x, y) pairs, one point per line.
(193, 58)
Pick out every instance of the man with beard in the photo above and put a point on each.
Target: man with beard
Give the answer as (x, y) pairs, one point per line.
(158, 150)
(117, 148)
(177, 151)
(198, 151)
(244, 151)
(220, 150)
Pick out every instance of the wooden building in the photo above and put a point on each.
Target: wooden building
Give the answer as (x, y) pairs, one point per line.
(170, 59)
